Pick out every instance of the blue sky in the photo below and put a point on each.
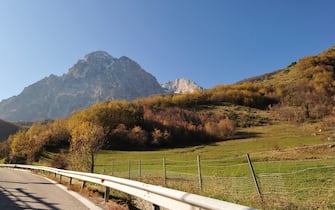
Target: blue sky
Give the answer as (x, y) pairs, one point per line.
(209, 41)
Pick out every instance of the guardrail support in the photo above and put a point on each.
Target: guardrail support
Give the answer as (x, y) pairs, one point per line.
(106, 195)
(155, 207)
(83, 184)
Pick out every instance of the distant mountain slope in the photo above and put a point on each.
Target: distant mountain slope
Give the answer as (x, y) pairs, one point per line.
(6, 129)
(305, 89)
(317, 70)
(97, 77)
(181, 85)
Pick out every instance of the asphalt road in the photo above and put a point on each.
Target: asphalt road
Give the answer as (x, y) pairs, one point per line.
(21, 189)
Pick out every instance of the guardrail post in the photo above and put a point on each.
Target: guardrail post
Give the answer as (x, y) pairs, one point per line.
(83, 184)
(70, 182)
(106, 195)
(60, 179)
(155, 207)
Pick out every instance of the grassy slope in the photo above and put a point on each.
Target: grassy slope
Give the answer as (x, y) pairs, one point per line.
(256, 139)
(275, 149)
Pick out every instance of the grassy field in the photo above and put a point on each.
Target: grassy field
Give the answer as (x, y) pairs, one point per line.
(294, 165)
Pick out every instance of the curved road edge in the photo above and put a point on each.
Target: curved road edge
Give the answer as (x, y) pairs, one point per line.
(89, 204)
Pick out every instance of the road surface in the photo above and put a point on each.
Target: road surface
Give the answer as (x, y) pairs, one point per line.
(20, 189)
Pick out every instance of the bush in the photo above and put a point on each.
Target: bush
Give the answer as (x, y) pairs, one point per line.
(60, 162)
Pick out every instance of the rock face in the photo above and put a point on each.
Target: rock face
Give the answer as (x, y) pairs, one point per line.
(181, 85)
(97, 77)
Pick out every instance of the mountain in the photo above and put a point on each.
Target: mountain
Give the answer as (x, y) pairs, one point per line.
(181, 85)
(7, 128)
(96, 77)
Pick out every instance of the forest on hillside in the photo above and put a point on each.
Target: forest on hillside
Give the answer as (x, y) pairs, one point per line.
(304, 91)
(150, 123)
(6, 129)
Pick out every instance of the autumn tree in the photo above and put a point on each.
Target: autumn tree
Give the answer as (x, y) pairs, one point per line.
(138, 136)
(222, 129)
(58, 135)
(19, 146)
(86, 139)
(4, 149)
(37, 137)
(160, 138)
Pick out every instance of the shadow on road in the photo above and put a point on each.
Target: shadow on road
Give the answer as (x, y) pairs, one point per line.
(5, 201)
(19, 198)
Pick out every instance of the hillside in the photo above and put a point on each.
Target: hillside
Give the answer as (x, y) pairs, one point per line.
(6, 129)
(201, 117)
(317, 70)
(305, 89)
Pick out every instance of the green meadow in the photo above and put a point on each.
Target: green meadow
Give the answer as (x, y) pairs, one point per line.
(294, 166)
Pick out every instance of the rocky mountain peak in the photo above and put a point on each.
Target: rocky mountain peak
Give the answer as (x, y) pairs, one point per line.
(181, 85)
(97, 77)
(92, 64)
(97, 56)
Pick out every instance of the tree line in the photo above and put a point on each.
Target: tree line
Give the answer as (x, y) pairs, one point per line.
(117, 125)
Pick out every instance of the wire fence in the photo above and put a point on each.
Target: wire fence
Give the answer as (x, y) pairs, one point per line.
(290, 184)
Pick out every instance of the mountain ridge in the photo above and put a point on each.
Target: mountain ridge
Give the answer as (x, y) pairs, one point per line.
(99, 76)
(96, 77)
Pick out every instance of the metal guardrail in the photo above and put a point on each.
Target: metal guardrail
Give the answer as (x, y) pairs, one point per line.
(157, 195)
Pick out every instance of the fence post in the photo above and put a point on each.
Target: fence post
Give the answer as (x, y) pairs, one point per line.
(199, 173)
(128, 169)
(164, 171)
(139, 169)
(112, 167)
(254, 177)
